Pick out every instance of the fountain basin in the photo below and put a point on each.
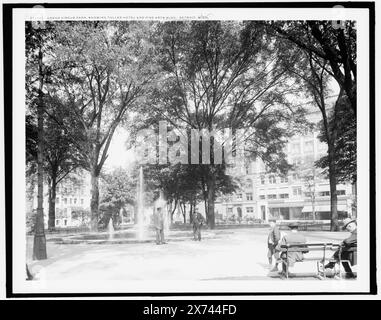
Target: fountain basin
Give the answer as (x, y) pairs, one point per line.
(127, 236)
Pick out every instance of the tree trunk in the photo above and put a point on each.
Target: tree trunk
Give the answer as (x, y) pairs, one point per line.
(94, 203)
(173, 210)
(185, 212)
(171, 214)
(39, 243)
(206, 209)
(211, 198)
(205, 196)
(52, 203)
(332, 186)
(185, 217)
(190, 213)
(354, 202)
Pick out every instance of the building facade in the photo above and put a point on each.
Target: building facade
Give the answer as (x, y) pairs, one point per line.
(72, 201)
(302, 194)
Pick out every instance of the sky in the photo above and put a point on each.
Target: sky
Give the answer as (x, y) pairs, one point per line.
(118, 154)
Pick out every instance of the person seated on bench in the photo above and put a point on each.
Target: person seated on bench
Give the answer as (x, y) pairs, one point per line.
(292, 238)
(348, 247)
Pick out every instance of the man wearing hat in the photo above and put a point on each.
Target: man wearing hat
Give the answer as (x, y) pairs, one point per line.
(158, 221)
(294, 237)
(272, 242)
(346, 247)
(198, 220)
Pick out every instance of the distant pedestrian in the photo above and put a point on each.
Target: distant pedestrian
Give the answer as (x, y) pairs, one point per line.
(272, 242)
(158, 221)
(197, 220)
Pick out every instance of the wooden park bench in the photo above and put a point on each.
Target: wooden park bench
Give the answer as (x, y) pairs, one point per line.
(322, 247)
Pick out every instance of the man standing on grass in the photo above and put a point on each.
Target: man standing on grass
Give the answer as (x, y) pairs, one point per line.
(198, 221)
(158, 221)
(272, 241)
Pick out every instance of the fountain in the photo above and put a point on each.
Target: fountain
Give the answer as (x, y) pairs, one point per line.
(139, 232)
(110, 229)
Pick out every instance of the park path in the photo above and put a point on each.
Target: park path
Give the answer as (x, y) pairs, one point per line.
(236, 254)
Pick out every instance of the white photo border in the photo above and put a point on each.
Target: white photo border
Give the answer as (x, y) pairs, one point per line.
(21, 286)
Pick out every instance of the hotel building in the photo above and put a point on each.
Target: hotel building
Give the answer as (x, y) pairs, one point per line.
(264, 195)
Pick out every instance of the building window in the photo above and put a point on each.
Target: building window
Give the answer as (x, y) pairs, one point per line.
(295, 176)
(283, 196)
(65, 222)
(297, 191)
(82, 201)
(75, 200)
(324, 194)
(249, 210)
(57, 222)
(283, 179)
(57, 200)
(249, 183)
(57, 189)
(308, 194)
(239, 196)
(230, 210)
(65, 211)
(262, 179)
(65, 200)
(262, 197)
(340, 192)
(271, 196)
(249, 196)
(272, 179)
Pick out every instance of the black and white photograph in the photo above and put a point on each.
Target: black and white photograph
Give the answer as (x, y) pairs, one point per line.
(192, 149)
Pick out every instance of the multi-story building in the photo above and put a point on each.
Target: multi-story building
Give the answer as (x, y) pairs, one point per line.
(72, 201)
(302, 194)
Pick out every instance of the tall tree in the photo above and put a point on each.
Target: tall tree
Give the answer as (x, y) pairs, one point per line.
(329, 42)
(225, 75)
(37, 38)
(112, 65)
(328, 52)
(61, 155)
(313, 72)
(345, 144)
(118, 190)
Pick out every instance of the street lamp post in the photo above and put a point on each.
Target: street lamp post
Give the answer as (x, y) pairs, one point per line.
(39, 243)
